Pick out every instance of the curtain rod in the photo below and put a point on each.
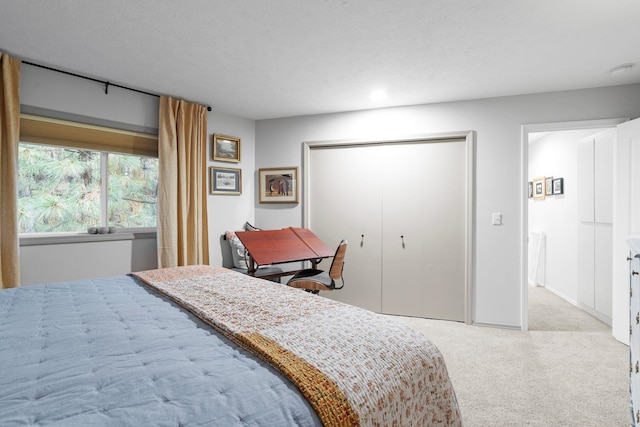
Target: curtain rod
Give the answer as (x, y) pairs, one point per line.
(104, 82)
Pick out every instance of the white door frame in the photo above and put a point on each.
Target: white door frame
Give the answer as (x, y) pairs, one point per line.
(524, 179)
(470, 207)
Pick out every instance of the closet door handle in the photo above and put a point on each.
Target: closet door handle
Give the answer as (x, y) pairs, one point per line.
(361, 240)
(402, 239)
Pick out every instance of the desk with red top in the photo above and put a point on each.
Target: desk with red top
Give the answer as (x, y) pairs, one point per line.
(289, 244)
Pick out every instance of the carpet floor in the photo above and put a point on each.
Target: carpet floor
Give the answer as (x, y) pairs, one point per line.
(567, 370)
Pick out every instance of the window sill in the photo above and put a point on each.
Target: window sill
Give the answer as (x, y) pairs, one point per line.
(38, 239)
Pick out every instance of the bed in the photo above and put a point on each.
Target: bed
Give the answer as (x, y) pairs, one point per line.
(204, 345)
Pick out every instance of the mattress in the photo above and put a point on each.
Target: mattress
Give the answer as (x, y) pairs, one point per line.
(113, 352)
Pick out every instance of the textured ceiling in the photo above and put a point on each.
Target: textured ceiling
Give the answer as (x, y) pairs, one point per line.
(265, 59)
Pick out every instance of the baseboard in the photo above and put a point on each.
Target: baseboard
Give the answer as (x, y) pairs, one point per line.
(561, 295)
(601, 317)
(497, 325)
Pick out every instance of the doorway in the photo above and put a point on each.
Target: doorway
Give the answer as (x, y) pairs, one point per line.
(551, 151)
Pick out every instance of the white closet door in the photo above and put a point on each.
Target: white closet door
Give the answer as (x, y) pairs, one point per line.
(586, 269)
(585, 182)
(345, 185)
(424, 188)
(603, 270)
(595, 214)
(603, 178)
(603, 227)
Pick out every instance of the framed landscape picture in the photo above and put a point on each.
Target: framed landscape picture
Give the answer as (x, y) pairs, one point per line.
(226, 148)
(278, 185)
(225, 181)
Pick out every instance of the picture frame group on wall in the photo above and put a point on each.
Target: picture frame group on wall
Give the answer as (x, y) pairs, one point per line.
(225, 181)
(278, 185)
(226, 148)
(542, 187)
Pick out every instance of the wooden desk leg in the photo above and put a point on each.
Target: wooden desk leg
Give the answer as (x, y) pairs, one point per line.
(251, 266)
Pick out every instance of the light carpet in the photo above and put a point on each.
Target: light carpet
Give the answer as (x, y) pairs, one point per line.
(567, 370)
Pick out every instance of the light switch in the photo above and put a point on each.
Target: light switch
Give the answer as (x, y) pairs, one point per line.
(496, 219)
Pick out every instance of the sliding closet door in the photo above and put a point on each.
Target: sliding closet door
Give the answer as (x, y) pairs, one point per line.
(345, 203)
(424, 240)
(405, 208)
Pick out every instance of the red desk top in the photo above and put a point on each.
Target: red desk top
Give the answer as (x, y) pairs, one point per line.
(285, 245)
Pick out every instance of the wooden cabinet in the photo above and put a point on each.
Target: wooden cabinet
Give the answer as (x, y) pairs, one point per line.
(404, 208)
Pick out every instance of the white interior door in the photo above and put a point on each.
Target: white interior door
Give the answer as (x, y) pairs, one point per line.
(626, 208)
(424, 188)
(345, 183)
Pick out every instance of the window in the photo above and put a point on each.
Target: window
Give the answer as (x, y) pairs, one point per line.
(75, 176)
(132, 190)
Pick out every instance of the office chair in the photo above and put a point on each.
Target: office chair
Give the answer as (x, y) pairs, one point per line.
(314, 280)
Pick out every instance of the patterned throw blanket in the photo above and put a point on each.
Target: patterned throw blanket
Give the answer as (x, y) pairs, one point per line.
(355, 367)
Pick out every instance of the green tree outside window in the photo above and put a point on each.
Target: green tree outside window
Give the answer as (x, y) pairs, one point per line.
(59, 189)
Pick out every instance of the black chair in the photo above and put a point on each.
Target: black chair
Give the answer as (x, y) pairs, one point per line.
(314, 280)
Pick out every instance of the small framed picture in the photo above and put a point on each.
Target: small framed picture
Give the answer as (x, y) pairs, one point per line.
(548, 186)
(225, 181)
(226, 148)
(558, 186)
(279, 185)
(538, 188)
(530, 189)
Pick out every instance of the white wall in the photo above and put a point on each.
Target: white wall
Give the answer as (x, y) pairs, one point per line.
(231, 212)
(76, 260)
(69, 97)
(499, 183)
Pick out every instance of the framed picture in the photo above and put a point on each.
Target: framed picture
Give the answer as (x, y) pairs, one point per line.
(225, 181)
(278, 185)
(538, 188)
(530, 189)
(558, 186)
(548, 185)
(226, 148)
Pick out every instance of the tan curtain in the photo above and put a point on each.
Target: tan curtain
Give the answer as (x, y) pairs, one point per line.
(9, 137)
(183, 236)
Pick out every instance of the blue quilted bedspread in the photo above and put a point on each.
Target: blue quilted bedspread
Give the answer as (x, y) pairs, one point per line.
(111, 352)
